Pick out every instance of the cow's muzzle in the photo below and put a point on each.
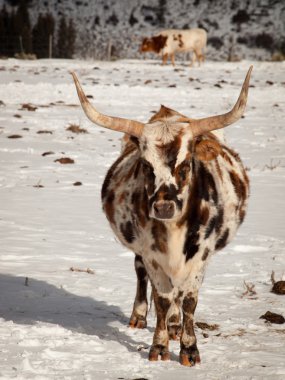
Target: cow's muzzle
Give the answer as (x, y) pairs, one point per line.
(164, 209)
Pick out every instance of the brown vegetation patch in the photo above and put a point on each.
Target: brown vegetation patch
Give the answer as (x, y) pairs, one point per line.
(239, 332)
(250, 291)
(28, 107)
(273, 318)
(15, 137)
(76, 129)
(77, 183)
(89, 271)
(206, 326)
(47, 153)
(279, 287)
(45, 131)
(65, 160)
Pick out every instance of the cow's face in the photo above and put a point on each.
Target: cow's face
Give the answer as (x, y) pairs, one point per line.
(168, 151)
(146, 45)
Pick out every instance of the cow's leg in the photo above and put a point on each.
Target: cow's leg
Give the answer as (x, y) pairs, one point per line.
(202, 55)
(174, 320)
(164, 58)
(194, 56)
(160, 339)
(189, 354)
(138, 317)
(199, 55)
(173, 59)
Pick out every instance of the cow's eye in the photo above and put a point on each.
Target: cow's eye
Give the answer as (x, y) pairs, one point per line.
(172, 163)
(147, 167)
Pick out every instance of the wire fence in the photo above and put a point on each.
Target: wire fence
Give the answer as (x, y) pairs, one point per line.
(15, 45)
(11, 46)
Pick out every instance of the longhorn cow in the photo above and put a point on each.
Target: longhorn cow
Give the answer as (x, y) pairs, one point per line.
(176, 194)
(171, 41)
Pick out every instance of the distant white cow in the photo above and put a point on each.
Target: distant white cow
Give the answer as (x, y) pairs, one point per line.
(171, 41)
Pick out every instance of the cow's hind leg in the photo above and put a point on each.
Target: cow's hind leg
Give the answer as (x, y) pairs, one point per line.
(200, 56)
(189, 353)
(138, 317)
(160, 339)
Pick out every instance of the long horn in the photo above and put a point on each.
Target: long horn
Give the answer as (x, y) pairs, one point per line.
(130, 127)
(211, 123)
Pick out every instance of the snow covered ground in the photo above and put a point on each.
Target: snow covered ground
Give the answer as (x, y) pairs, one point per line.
(63, 324)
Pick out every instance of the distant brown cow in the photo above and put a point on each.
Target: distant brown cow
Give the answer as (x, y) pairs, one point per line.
(169, 42)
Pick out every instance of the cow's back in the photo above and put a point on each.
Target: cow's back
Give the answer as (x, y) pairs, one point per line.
(184, 40)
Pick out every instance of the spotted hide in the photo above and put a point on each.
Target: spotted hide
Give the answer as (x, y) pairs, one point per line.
(176, 194)
(171, 41)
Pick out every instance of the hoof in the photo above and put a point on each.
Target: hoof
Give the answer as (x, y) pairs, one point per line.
(189, 356)
(137, 322)
(158, 350)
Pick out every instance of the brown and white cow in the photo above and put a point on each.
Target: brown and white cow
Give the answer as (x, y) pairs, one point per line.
(171, 41)
(176, 194)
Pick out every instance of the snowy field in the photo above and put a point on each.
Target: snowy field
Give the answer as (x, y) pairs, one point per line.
(63, 324)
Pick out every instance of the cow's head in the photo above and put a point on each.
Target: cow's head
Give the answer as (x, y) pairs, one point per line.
(168, 148)
(169, 144)
(154, 44)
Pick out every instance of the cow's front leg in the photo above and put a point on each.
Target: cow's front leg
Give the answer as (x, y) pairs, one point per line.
(160, 338)
(174, 320)
(189, 354)
(138, 317)
(194, 56)
(164, 58)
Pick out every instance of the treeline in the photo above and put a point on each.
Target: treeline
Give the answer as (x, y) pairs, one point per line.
(44, 39)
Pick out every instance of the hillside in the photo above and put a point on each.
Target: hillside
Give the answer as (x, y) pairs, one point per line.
(246, 29)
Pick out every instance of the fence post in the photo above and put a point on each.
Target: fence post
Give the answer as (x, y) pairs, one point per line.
(109, 50)
(50, 46)
(21, 44)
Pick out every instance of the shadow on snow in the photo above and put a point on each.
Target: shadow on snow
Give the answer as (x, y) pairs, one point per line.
(43, 302)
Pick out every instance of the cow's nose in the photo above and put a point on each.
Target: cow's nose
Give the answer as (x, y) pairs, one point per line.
(163, 209)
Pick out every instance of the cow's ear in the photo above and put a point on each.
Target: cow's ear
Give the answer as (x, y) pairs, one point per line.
(207, 150)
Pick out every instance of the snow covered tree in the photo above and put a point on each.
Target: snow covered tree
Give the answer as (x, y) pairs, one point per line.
(71, 38)
(66, 37)
(23, 27)
(43, 29)
(62, 38)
